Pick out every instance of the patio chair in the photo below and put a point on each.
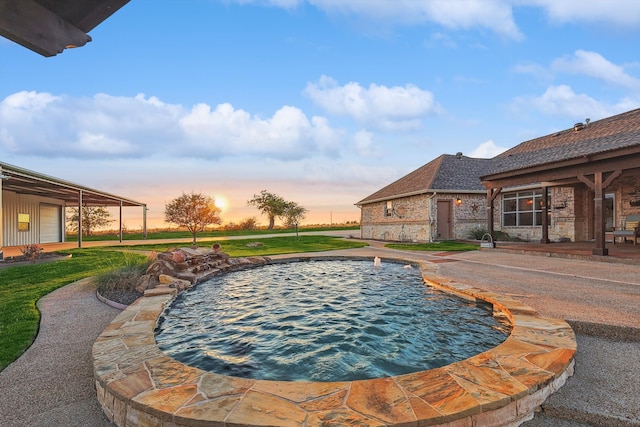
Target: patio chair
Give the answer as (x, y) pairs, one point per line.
(630, 230)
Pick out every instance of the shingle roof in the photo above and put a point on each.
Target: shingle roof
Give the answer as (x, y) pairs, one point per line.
(445, 173)
(612, 133)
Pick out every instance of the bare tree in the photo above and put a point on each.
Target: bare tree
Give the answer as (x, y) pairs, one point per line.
(93, 217)
(293, 214)
(194, 211)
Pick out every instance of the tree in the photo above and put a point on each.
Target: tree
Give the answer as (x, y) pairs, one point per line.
(194, 211)
(293, 214)
(270, 205)
(93, 217)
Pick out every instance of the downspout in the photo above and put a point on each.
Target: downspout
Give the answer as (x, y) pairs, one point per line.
(429, 216)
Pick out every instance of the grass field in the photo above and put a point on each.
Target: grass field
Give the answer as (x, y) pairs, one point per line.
(22, 286)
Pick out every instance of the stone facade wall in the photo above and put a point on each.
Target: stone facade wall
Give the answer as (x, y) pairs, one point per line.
(571, 211)
(627, 198)
(414, 218)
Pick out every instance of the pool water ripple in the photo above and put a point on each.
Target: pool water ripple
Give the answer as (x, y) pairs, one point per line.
(323, 321)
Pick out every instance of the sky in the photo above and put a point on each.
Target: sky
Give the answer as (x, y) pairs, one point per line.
(322, 102)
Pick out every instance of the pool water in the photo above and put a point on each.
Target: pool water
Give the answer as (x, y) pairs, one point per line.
(323, 321)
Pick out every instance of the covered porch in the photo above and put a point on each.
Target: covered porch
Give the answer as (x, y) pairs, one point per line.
(619, 253)
(592, 171)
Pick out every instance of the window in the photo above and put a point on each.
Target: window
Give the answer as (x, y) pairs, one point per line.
(388, 208)
(609, 211)
(522, 209)
(23, 222)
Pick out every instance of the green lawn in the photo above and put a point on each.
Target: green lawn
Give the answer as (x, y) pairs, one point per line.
(180, 234)
(437, 246)
(22, 286)
(268, 246)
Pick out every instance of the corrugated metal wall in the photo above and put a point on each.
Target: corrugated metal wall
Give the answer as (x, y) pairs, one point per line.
(14, 204)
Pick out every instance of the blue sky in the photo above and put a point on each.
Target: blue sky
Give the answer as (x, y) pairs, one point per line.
(320, 101)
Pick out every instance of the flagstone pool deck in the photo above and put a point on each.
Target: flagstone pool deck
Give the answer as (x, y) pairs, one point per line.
(138, 385)
(51, 383)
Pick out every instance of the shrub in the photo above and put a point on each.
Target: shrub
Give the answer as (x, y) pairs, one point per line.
(125, 278)
(248, 224)
(32, 252)
(477, 233)
(497, 235)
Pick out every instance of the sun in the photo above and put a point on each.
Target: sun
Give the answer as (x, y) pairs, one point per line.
(220, 202)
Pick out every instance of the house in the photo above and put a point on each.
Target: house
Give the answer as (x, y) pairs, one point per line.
(585, 178)
(578, 184)
(32, 206)
(441, 200)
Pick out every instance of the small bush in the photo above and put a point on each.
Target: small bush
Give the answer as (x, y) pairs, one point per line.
(477, 233)
(32, 252)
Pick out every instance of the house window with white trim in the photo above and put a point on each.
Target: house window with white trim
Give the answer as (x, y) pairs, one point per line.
(522, 209)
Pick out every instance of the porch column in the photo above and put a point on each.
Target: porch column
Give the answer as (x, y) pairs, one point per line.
(80, 218)
(144, 221)
(120, 219)
(599, 226)
(490, 212)
(492, 193)
(545, 215)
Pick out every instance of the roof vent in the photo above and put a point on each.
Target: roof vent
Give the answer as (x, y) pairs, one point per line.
(459, 155)
(578, 126)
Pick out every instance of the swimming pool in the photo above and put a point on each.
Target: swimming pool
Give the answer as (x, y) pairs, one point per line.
(324, 321)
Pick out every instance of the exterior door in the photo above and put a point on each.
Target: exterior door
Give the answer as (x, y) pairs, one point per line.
(50, 224)
(443, 227)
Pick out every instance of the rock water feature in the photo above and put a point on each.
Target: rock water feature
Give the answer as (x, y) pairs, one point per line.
(181, 268)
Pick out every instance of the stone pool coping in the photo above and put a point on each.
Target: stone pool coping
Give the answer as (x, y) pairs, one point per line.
(138, 385)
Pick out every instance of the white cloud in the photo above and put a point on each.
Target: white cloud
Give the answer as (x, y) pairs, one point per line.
(487, 150)
(594, 65)
(612, 12)
(364, 146)
(494, 15)
(563, 101)
(42, 124)
(395, 108)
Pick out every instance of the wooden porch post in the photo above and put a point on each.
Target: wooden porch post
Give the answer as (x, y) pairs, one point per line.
(489, 212)
(492, 193)
(599, 225)
(545, 216)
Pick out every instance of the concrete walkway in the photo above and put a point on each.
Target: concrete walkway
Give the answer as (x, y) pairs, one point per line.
(52, 383)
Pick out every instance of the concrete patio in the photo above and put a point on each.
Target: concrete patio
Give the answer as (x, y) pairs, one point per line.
(52, 383)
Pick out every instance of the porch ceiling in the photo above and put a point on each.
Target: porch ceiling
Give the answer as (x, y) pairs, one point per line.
(23, 181)
(50, 26)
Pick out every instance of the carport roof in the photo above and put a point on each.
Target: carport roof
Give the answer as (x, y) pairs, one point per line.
(24, 181)
(50, 26)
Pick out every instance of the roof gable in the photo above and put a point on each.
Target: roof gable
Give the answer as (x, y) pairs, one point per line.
(444, 173)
